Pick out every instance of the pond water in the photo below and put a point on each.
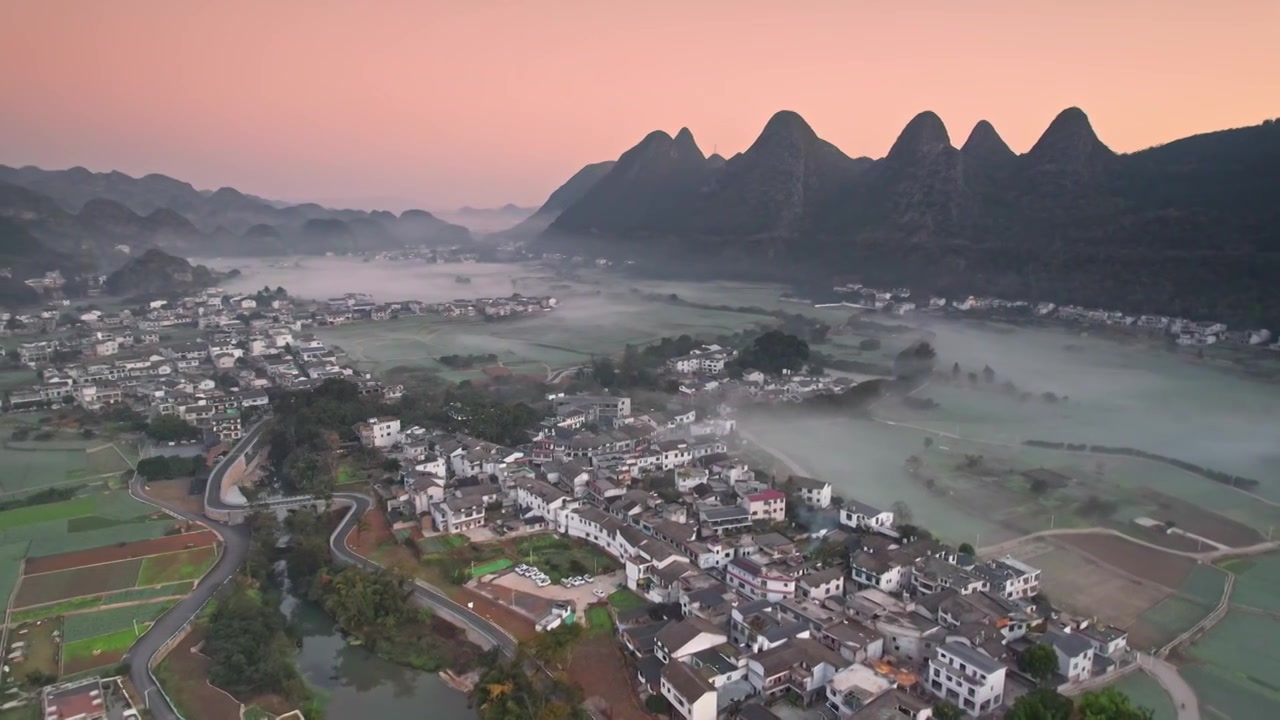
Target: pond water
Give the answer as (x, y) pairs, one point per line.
(359, 684)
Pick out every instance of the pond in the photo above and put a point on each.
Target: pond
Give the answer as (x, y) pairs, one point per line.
(358, 683)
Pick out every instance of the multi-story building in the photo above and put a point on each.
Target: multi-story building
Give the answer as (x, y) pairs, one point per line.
(455, 514)
(692, 696)
(753, 580)
(1010, 578)
(864, 517)
(766, 506)
(379, 432)
(966, 678)
(813, 492)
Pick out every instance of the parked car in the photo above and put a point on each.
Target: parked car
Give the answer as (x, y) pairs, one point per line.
(598, 593)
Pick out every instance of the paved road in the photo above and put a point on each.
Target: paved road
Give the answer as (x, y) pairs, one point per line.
(424, 593)
(235, 549)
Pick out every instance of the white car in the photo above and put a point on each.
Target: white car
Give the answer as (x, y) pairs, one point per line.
(598, 593)
(543, 582)
(588, 578)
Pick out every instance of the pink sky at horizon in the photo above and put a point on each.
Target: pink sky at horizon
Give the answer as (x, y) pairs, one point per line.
(440, 104)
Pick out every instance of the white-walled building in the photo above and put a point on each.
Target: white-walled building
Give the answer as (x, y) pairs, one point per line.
(753, 580)
(379, 432)
(813, 492)
(966, 678)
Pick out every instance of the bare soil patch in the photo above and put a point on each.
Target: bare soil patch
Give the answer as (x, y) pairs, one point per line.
(600, 668)
(1086, 586)
(157, 546)
(67, 584)
(177, 493)
(1144, 562)
(1196, 520)
(185, 676)
(494, 609)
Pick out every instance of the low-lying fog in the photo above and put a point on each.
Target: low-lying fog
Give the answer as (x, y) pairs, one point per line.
(1133, 395)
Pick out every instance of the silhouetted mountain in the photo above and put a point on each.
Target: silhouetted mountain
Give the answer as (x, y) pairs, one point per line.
(96, 211)
(564, 196)
(647, 191)
(1191, 227)
(156, 272)
(488, 220)
(24, 257)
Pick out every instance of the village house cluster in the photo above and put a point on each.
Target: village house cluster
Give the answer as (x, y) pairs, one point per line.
(215, 382)
(1184, 331)
(858, 614)
(357, 307)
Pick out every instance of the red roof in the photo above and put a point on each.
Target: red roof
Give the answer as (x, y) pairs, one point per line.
(769, 494)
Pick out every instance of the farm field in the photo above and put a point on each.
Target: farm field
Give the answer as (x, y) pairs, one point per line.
(66, 584)
(1233, 668)
(92, 602)
(103, 575)
(87, 521)
(98, 639)
(1257, 582)
(1087, 586)
(176, 567)
(1146, 692)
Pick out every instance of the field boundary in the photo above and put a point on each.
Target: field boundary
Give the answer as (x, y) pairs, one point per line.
(112, 562)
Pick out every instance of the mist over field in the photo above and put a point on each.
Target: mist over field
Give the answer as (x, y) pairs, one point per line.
(1137, 395)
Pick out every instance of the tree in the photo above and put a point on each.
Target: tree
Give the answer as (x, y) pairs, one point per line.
(988, 374)
(869, 344)
(1039, 661)
(928, 442)
(1038, 485)
(967, 549)
(604, 372)
(1110, 704)
(946, 711)
(915, 361)
(1041, 704)
(901, 512)
(247, 647)
(171, 428)
(775, 352)
(371, 605)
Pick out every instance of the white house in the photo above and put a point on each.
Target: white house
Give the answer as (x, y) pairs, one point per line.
(1010, 578)
(821, 584)
(966, 678)
(545, 499)
(813, 492)
(864, 517)
(1074, 651)
(455, 514)
(691, 696)
(681, 639)
(753, 580)
(379, 432)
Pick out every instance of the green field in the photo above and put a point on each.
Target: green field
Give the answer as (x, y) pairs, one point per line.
(87, 521)
(83, 626)
(561, 557)
(492, 566)
(1146, 692)
(598, 619)
(74, 508)
(81, 653)
(175, 567)
(1257, 582)
(1237, 667)
(625, 599)
(178, 589)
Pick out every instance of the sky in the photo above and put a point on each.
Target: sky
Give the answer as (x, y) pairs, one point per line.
(443, 103)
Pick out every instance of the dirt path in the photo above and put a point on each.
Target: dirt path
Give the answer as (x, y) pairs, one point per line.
(1209, 556)
(1000, 443)
(1184, 698)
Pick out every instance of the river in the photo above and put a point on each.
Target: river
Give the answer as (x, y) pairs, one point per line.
(360, 684)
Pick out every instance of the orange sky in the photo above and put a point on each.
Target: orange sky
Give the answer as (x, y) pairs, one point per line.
(442, 103)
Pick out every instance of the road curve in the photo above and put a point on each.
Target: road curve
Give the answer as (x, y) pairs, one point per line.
(235, 548)
(426, 594)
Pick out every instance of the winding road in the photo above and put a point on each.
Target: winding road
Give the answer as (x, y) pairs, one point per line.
(235, 539)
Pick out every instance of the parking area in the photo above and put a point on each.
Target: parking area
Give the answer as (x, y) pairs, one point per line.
(582, 595)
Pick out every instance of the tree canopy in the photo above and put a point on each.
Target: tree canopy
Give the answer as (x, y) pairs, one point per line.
(171, 428)
(774, 352)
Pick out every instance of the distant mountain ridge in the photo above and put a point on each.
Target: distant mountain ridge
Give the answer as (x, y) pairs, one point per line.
(98, 214)
(1190, 227)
